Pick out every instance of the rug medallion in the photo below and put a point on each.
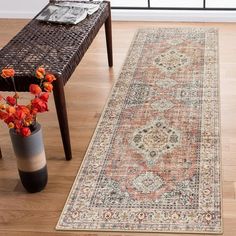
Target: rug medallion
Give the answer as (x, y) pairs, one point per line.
(153, 164)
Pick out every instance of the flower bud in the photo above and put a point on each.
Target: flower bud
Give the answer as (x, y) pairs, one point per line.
(11, 125)
(35, 89)
(10, 109)
(25, 131)
(40, 73)
(50, 78)
(8, 73)
(16, 96)
(2, 106)
(44, 97)
(11, 100)
(48, 87)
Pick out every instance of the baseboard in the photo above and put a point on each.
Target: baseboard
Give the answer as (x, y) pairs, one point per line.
(149, 15)
(174, 15)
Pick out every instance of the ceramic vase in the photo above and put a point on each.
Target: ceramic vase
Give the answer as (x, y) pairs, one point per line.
(31, 159)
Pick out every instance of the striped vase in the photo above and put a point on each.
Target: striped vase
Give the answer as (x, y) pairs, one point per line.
(31, 160)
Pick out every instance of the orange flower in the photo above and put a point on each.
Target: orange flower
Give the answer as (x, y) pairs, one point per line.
(9, 119)
(10, 110)
(35, 89)
(11, 125)
(44, 97)
(28, 120)
(3, 115)
(50, 78)
(23, 108)
(25, 131)
(2, 106)
(47, 86)
(21, 117)
(34, 111)
(40, 73)
(16, 96)
(7, 73)
(18, 125)
(11, 100)
(39, 104)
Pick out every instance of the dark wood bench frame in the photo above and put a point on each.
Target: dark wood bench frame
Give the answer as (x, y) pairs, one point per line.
(59, 48)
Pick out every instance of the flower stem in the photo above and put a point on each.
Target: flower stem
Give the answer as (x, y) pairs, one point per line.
(13, 81)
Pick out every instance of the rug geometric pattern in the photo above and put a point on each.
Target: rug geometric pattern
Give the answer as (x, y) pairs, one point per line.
(153, 164)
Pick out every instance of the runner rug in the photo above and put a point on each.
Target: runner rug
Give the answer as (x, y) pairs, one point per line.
(153, 164)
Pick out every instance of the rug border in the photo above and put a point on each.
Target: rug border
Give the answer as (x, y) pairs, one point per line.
(58, 227)
(220, 132)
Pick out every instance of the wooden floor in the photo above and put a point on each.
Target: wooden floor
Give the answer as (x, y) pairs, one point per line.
(23, 214)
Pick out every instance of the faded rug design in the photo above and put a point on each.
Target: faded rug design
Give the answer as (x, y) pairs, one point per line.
(153, 164)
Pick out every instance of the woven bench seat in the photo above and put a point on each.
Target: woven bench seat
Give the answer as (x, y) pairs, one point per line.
(59, 48)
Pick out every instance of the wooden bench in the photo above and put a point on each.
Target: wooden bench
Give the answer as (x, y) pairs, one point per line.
(59, 48)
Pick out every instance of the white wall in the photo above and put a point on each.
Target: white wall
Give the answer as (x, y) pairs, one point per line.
(29, 8)
(178, 15)
(21, 8)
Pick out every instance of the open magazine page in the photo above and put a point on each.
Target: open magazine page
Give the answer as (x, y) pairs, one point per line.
(90, 7)
(68, 12)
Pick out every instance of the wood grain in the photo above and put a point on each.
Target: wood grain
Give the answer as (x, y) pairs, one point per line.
(23, 214)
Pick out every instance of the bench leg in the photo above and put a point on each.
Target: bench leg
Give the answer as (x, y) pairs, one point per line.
(0, 153)
(60, 103)
(108, 32)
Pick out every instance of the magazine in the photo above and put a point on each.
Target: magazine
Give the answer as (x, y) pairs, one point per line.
(68, 12)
